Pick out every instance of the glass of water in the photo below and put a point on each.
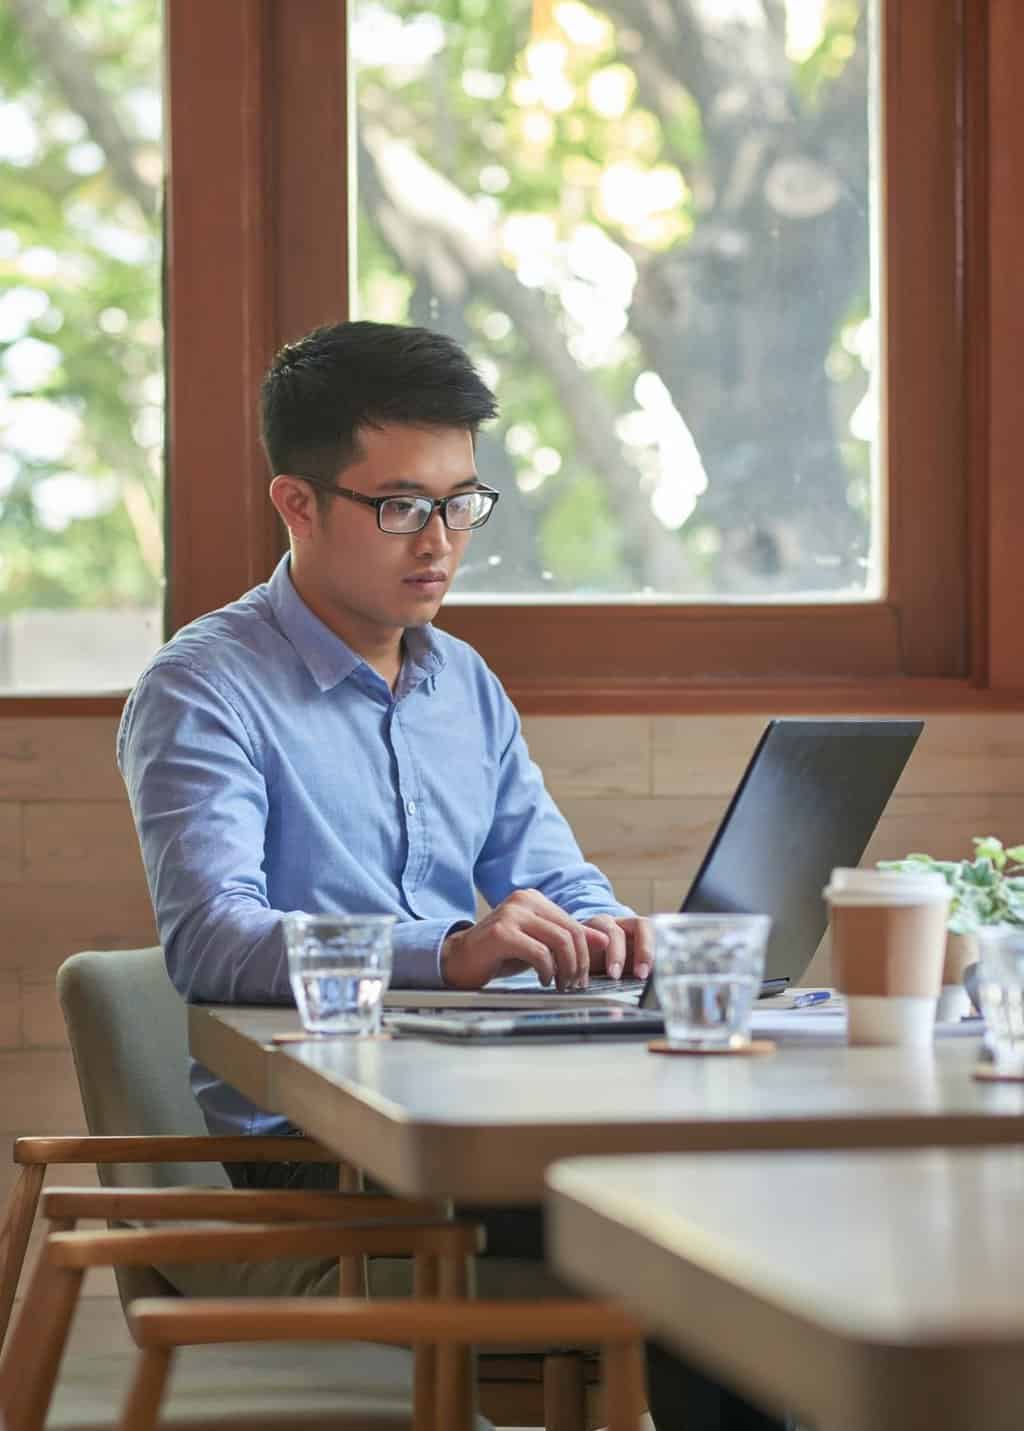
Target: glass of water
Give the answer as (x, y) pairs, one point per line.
(707, 972)
(1001, 992)
(339, 966)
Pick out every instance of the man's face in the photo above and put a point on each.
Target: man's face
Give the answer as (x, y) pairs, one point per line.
(369, 585)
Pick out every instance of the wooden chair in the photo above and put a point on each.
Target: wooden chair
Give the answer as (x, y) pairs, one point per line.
(35, 1156)
(129, 1038)
(161, 1327)
(269, 1343)
(128, 1033)
(303, 1386)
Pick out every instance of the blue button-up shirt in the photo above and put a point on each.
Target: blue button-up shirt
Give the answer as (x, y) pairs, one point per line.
(271, 769)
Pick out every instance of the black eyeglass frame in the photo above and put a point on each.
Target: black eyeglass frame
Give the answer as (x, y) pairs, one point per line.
(437, 504)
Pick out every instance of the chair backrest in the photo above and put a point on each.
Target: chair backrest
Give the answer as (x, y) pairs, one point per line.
(128, 1031)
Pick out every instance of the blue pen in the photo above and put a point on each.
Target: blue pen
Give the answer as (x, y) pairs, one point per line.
(816, 996)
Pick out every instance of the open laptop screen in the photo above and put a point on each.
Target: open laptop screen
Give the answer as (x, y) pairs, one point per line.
(809, 801)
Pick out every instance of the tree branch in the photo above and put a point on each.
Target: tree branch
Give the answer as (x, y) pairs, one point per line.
(667, 30)
(72, 69)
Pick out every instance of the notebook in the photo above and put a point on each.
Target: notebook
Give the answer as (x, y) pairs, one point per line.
(808, 801)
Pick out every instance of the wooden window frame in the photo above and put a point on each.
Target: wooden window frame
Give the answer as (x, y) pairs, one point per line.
(258, 214)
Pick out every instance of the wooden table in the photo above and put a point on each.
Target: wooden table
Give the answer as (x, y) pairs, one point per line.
(865, 1291)
(482, 1125)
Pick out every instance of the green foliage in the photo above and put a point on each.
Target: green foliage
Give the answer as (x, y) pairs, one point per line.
(986, 890)
(81, 333)
(81, 256)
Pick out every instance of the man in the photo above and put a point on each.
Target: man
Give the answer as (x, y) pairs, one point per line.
(317, 745)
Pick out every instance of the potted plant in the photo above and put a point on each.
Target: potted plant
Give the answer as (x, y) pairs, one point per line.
(989, 889)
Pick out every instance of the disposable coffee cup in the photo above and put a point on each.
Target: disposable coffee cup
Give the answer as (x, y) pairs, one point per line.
(888, 938)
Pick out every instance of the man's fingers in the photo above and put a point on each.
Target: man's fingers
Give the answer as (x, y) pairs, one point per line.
(582, 947)
(524, 949)
(643, 947)
(630, 944)
(584, 938)
(568, 949)
(523, 933)
(615, 955)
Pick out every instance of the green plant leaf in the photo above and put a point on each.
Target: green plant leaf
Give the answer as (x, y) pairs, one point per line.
(984, 890)
(987, 847)
(982, 873)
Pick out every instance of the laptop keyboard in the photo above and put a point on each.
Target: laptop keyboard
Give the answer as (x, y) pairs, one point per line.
(526, 982)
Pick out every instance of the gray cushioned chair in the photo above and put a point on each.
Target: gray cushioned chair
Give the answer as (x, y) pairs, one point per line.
(128, 1033)
(127, 1028)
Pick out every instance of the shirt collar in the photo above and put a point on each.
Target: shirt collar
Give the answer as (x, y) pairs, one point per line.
(326, 656)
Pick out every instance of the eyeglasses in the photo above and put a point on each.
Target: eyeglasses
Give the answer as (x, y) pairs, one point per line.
(460, 512)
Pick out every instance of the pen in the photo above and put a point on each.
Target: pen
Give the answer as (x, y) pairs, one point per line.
(816, 996)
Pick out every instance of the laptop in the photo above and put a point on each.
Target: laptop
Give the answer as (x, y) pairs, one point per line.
(808, 801)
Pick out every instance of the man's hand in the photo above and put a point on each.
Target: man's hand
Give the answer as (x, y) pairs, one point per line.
(525, 929)
(630, 947)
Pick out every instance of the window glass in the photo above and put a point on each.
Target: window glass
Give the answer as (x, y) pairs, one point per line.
(81, 363)
(652, 225)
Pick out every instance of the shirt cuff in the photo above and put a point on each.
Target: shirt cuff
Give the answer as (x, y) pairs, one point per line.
(416, 946)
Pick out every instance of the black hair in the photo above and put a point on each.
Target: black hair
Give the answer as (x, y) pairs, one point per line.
(321, 390)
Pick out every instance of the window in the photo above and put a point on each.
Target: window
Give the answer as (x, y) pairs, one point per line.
(81, 344)
(259, 162)
(794, 561)
(652, 226)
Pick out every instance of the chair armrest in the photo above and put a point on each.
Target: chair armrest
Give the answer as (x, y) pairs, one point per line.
(262, 1242)
(212, 1148)
(235, 1205)
(170, 1322)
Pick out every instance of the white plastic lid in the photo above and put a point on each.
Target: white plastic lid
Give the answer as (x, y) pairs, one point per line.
(847, 886)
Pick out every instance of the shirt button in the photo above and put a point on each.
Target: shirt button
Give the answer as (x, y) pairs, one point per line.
(410, 805)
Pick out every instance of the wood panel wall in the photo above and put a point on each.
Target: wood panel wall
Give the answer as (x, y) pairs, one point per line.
(643, 794)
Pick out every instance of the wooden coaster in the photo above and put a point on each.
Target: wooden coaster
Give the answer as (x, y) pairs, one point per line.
(988, 1073)
(754, 1047)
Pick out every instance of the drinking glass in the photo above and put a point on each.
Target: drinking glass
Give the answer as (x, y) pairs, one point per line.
(707, 973)
(339, 966)
(1001, 992)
